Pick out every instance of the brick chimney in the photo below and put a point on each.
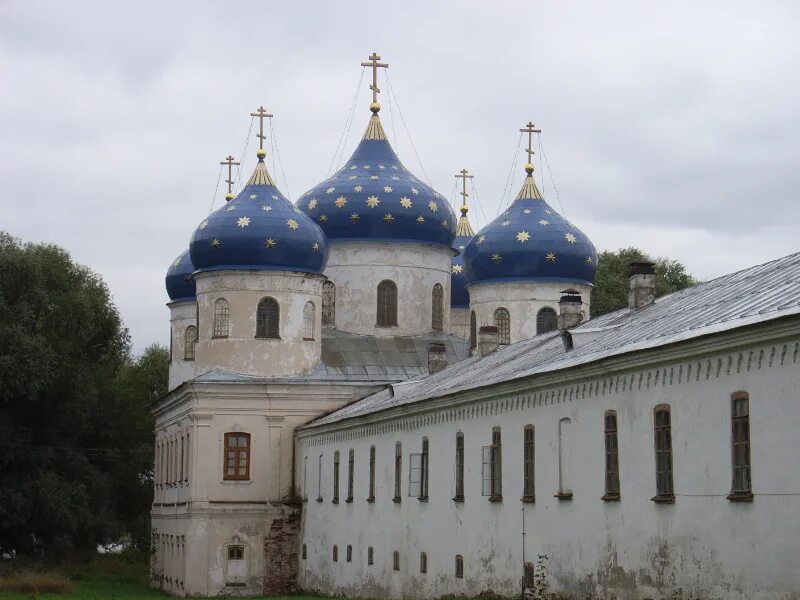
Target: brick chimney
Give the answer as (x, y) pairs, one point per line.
(569, 309)
(488, 340)
(437, 358)
(642, 290)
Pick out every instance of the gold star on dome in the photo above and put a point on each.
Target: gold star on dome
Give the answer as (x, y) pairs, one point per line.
(433, 206)
(266, 207)
(358, 189)
(457, 269)
(274, 196)
(527, 211)
(231, 207)
(445, 224)
(292, 224)
(415, 191)
(373, 201)
(323, 218)
(243, 222)
(215, 243)
(420, 219)
(330, 190)
(313, 204)
(523, 236)
(481, 239)
(551, 257)
(496, 258)
(381, 167)
(354, 217)
(589, 260)
(506, 223)
(204, 224)
(354, 167)
(570, 237)
(270, 243)
(353, 177)
(437, 194)
(461, 248)
(548, 212)
(395, 178)
(315, 246)
(387, 189)
(388, 217)
(405, 202)
(374, 177)
(177, 262)
(395, 167)
(340, 202)
(544, 222)
(366, 166)
(253, 196)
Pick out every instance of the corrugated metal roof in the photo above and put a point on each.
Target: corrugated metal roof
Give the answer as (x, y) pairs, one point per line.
(750, 296)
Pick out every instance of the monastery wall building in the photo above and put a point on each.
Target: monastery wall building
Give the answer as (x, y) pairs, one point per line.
(369, 399)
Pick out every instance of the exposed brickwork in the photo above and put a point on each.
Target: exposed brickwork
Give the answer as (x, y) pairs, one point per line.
(280, 555)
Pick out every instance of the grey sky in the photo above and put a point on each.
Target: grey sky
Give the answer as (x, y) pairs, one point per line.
(669, 126)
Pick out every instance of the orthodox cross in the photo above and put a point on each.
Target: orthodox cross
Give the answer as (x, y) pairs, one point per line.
(373, 62)
(230, 162)
(463, 176)
(261, 113)
(530, 129)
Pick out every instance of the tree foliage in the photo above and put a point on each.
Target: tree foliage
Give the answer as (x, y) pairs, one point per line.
(611, 281)
(75, 430)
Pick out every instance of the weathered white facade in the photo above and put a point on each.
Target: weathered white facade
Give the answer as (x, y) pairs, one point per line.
(182, 315)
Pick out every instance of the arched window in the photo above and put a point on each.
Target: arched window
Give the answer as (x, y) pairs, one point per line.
(189, 341)
(267, 318)
(437, 307)
(308, 321)
(502, 320)
(387, 304)
(546, 320)
(222, 318)
(473, 331)
(328, 304)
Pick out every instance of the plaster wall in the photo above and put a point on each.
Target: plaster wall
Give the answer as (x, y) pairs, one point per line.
(241, 351)
(702, 546)
(181, 315)
(523, 300)
(459, 321)
(357, 267)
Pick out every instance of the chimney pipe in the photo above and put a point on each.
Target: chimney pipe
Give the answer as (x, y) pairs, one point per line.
(437, 358)
(488, 340)
(569, 307)
(642, 286)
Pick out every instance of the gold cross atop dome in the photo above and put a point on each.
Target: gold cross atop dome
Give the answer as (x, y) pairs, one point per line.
(261, 113)
(463, 176)
(230, 162)
(530, 129)
(373, 61)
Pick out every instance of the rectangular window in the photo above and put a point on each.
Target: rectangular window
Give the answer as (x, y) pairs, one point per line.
(335, 553)
(350, 471)
(564, 459)
(459, 497)
(349, 553)
(319, 479)
(336, 477)
(423, 562)
(663, 447)
(492, 468)
(612, 457)
(370, 556)
(459, 566)
(398, 470)
(237, 456)
(425, 469)
(188, 454)
(305, 552)
(183, 456)
(742, 487)
(305, 478)
(415, 476)
(528, 486)
(396, 560)
(371, 497)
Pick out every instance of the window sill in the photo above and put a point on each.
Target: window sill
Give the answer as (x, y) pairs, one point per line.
(386, 326)
(319, 499)
(563, 495)
(664, 499)
(266, 337)
(219, 337)
(458, 498)
(396, 500)
(308, 339)
(495, 498)
(349, 501)
(529, 499)
(610, 498)
(740, 496)
(235, 481)
(335, 501)
(371, 499)
(423, 498)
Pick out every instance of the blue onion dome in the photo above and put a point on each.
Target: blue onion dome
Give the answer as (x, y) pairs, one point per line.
(375, 197)
(179, 280)
(459, 297)
(530, 241)
(259, 229)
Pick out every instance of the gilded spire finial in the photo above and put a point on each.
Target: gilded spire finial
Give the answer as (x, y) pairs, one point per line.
(261, 113)
(373, 62)
(530, 129)
(230, 162)
(463, 176)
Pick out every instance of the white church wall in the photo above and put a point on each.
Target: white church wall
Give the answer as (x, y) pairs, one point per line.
(459, 322)
(703, 545)
(523, 300)
(181, 316)
(357, 267)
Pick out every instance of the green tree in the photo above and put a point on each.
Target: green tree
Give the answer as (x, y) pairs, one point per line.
(611, 282)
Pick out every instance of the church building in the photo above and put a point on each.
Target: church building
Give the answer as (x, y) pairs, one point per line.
(369, 399)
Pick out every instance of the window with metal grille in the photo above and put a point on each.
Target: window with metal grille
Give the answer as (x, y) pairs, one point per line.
(423, 562)
(370, 556)
(473, 331)
(222, 318)
(741, 487)
(328, 304)
(528, 455)
(335, 553)
(459, 497)
(237, 456)
(437, 307)
(351, 461)
(189, 342)
(336, 477)
(396, 560)
(612, 457)
(546, 320)
(398, 470)
(319, 479)
(267, 318)
(502, 320)
(564, 459)
(459, 566)
(492, 468)
(371, 497)
(387, 304)
(663, 446)
(308, 321)
(349, 553)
